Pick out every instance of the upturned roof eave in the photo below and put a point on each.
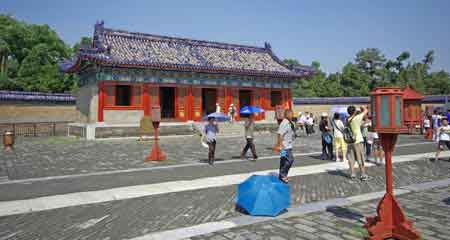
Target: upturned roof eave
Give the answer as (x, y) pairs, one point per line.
(76, 64)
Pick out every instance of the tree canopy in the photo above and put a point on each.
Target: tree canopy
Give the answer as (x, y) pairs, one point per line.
(29, 56)
(371, 69)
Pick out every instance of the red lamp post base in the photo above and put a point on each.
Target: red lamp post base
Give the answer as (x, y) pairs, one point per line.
(156, 154)
(391, 222)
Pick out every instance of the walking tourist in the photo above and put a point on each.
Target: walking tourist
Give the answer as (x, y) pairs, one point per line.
(443, 136)
(327, 138)
(435, 122)
(426, 124)
(339, 143)
(309, 124)
(286, 137)
(232, 112)
(249, 129)
(211, 130)
(355, 149)
(301, 121)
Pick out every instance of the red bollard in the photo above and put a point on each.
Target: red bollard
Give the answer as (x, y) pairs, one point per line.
(156, 154)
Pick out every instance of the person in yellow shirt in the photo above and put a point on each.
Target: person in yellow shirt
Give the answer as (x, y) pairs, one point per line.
(355, 151)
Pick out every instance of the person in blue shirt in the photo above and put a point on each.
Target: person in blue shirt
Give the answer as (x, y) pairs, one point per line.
(448, 114)
(211, 131)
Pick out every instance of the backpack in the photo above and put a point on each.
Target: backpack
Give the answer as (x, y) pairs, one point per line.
(347, 132)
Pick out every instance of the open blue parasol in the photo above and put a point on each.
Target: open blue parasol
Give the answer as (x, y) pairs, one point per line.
(251, 109)
(219, 116)
(263, 195)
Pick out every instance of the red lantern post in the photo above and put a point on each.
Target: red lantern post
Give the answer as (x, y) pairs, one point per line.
(156, 154)
(387, 119)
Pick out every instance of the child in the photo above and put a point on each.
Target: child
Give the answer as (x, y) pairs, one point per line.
(377, 149)
(211, 130)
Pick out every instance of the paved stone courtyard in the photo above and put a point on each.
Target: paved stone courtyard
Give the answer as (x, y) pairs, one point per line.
(134, 217)
(42, 157)
(428, 210)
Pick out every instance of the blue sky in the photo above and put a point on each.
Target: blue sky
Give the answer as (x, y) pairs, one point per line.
(328, 31)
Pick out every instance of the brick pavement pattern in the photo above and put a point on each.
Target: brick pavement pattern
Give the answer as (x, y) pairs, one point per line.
(135, 217)
(56, 156)
(429, 210)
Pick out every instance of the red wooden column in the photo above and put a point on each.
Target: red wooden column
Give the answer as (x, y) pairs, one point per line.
(190, 104)
(289, 98)
(146, 100)
(197, 104)
(101, 100)
(181, 103)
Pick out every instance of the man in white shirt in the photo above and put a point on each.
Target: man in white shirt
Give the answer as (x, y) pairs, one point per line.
(443, 137)
(286, 137)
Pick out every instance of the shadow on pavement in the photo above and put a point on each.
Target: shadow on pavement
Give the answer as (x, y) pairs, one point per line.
(446, 200)
(338, 173)
(341, 212)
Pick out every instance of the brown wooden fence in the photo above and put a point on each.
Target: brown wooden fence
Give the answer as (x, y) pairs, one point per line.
(36, 129)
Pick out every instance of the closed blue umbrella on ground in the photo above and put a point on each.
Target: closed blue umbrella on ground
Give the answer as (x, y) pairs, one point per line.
(219, 116)
(251, 109)
(263, 195)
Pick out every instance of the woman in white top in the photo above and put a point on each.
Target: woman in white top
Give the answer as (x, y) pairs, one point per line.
(443, 137)
(339, 143)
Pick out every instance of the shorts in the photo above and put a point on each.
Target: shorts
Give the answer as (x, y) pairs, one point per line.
(355, 152)
(443, 143)
(340, 143)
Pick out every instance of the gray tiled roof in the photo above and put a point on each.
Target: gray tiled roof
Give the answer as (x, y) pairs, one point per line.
(122, 48)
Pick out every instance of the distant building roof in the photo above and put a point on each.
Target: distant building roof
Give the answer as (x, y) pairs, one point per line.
(359, 100)
(410, 94)
(130, 49)
(36, 96)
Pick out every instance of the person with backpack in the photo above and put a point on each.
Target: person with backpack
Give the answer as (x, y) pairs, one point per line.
(327, 138)
(286, 137)
(339, 143)
(354, 138)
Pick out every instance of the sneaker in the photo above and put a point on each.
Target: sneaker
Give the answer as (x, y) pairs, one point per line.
(364, 177)
(284, 180)
(353, 176)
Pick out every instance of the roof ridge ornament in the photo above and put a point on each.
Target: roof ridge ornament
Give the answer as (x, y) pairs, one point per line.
(99, 25)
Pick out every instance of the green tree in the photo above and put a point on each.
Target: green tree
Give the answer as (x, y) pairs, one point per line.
(4, 53)
(371, 61)
(354, 81)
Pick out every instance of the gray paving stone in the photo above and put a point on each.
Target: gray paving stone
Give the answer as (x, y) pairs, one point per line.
(305, 228)
(55, 156)
(346, 227)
